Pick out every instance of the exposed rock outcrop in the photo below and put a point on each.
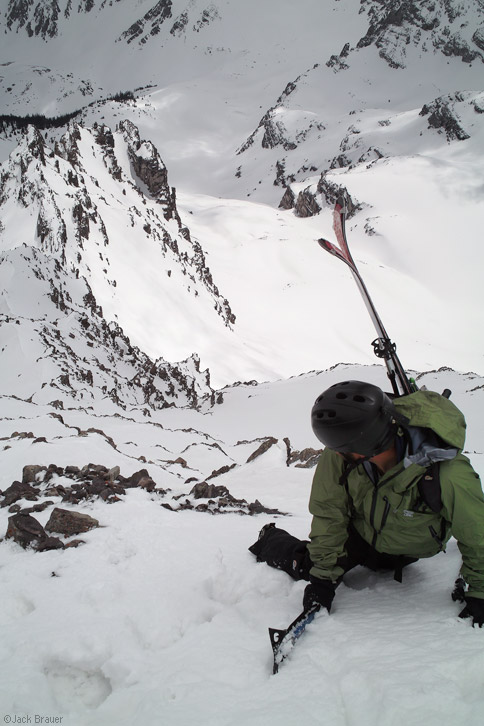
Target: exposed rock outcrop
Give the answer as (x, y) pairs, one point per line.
(442, 115)
(71, 221)
(149, 24)
(395, 26)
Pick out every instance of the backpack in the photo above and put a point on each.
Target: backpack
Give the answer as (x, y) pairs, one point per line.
(429, 487)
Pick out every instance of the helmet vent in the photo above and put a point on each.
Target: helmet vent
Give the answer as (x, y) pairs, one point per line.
(341, 395)
(359, 399)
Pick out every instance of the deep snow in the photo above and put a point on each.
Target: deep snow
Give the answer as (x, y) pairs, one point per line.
(162, 616)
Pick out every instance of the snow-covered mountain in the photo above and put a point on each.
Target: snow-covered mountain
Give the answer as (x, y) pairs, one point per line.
(382, 99)
(165, 171)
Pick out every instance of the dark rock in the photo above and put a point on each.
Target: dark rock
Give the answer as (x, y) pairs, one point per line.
(113, 473)
(478, 37)
(258, 508)
(69, 470)
(222, 470)
(306, 204)
(288, 200)
(332, 192)
(74, 543)
(17, 491)
(58, 491)
(265, 446)
(146, 482)
(53, 470)
(208, 491)
(29, 473)
(442, 116)
(93, 471)
(37, 508)
(70, 523)
(306, 459)
(149, 25)
(25, 530)
(49, 543)
(135, 478)
(180, 460)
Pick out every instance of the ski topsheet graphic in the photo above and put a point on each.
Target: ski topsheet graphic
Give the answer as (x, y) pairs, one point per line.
(382, 345)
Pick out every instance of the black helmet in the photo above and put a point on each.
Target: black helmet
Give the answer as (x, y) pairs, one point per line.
(355, 417)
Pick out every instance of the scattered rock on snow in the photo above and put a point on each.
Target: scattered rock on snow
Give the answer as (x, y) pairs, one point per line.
(219, 501)
(25, 530)
(265, 446)
(69, 523)
(208, 491)
(30, 472)
(28, 532)
(17, 491)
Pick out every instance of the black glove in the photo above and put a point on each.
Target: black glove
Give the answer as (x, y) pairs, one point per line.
(320, 592)
(474, 609)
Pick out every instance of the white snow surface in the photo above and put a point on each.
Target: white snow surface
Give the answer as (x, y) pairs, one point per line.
(161, 617)
(199, 95)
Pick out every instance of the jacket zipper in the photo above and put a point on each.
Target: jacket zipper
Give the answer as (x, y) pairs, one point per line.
(436, 538)
(386, 511)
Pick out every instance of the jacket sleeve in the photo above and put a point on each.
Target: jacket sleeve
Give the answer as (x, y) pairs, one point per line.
(328, 504)
(463, 507)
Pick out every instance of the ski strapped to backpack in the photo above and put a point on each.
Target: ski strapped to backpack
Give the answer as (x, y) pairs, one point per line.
(382, 345)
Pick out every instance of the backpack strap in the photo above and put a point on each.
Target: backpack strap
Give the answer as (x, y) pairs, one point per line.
(429, 487)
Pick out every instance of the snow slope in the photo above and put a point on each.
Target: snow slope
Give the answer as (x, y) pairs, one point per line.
(162, 616)
(201, 91)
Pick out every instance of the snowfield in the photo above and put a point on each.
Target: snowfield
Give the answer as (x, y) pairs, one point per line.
(162, 616)
(131, 235)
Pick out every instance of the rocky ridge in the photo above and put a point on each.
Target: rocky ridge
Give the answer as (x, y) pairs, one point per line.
(446, 26)
(45, 18)
(70, 354)
(71, 204)
(302, 148)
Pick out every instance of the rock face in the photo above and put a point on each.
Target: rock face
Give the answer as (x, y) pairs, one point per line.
(149, 168)
(150, 23)
(46, 189)
(42, 19)
(88, 358)
(443, 116)
(54, 182)
(45, 18)
(430, 23)
(294, 135)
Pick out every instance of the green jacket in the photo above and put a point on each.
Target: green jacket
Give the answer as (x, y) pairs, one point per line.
(389, 513)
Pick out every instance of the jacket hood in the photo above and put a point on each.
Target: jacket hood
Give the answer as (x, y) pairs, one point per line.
(430, 410)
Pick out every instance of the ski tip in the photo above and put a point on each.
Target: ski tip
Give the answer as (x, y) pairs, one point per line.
(325, 244)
